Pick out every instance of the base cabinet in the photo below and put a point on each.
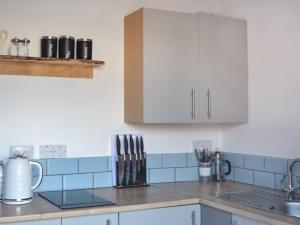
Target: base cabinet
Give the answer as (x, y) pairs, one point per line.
(211, 216)
(38, 222)
(105, 219)
(181, 215)
(239, 220)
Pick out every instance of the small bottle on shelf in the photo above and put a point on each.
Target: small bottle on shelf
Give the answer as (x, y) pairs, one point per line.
(13, 49)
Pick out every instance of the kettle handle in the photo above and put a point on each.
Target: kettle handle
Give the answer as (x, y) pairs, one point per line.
(229, 167)
(39, 166)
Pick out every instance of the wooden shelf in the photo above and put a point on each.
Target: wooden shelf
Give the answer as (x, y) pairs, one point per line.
(37, 66)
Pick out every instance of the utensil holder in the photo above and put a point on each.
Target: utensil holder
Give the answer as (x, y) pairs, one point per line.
(128, 170)
(204, 170)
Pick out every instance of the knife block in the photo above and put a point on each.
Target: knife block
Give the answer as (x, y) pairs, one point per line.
(129, 167)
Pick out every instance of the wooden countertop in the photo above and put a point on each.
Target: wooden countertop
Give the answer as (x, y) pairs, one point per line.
(206, 192)
(155, 196)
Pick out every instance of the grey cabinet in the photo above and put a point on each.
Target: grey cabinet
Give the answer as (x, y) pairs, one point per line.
(160, 66)
(170, 62)
(185, 68)
(239, 220)
(211, 216)
(105, 219)
(222, 77)
(181, 215)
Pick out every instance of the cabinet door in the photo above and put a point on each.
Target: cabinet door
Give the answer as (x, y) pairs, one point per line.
(182, 215)
(211, 216)
(239, 220)
(223, 82)
(105, 219)
(38, 222)
(170, 65)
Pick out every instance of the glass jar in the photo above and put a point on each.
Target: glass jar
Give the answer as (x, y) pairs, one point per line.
(23, 49)
(13, 49)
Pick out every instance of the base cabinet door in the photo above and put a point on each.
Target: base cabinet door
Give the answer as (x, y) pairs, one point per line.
(105, 219)
(38, 222)
(239, 220)
(181, 215)
(211, 216)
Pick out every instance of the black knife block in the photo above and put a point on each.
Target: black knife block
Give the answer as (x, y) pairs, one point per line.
(129, 167)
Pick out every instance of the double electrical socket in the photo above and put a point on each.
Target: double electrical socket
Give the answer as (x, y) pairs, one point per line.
(197, 144)
(53, 151)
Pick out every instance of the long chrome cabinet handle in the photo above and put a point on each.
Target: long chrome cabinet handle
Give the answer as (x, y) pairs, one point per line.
(193, 216)
(108, 222)
(235, 222)
(193, 113)
(208, 103)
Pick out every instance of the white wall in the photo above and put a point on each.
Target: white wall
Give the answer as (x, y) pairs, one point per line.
(83, 113)
(274, 78)
(77, 112)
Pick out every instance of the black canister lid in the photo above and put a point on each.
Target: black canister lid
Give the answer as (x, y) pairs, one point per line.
(85, 40)
(66, 37)
(49, 37)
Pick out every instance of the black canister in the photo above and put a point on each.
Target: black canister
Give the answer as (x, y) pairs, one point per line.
(84, 48)
(66, 47)
(49, 47)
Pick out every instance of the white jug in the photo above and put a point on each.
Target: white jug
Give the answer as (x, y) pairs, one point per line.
(18, 179)
(3, 37)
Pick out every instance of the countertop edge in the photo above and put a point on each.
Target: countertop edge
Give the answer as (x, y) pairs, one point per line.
(243, 213)
(97, 211)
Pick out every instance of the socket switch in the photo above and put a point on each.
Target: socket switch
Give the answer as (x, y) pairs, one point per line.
(59, 151)
(46, 151)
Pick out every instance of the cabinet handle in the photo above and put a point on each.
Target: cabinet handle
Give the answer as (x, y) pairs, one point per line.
(235, 222)
(108, 222)
(193, 216)
(193, 103)
(208, 103)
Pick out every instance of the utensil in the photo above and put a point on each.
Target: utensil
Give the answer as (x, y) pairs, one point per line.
(137, 144)
(120, 163)
(3, 38)
(126, 160)
(133, 159)
(18, 179)
(143, 158)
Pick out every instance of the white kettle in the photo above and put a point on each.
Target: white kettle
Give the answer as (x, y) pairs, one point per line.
(18, 179)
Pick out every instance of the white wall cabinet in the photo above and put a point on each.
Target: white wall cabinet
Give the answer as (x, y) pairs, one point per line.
(105, 219)
(185, 68)
(181, 215)
(239, 220)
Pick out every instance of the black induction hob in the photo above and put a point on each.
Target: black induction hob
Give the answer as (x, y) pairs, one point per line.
(74, 199)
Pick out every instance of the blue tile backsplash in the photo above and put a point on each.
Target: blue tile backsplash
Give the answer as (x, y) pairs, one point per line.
(62, 166)
(254, 162)
(93, 164)
(95, 172)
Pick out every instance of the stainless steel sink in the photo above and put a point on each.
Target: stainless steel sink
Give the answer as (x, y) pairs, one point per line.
(265, 199)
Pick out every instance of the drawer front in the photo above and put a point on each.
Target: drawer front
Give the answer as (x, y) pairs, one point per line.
(105, 219)
(181, 215)
(38, 222)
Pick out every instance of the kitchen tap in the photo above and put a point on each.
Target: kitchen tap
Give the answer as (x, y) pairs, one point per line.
(290, 189)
